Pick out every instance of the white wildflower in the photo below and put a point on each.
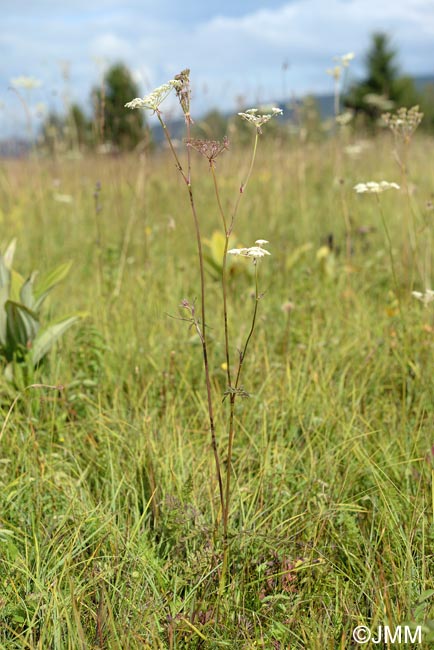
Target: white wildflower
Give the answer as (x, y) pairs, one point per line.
(355, 149)
(344, 118)
(251, 115)
(256, 251)
(26, 82)
(345, 59)
(156, 97)
(426, 297)
(253, 252)
(375, 188)
(335, 72)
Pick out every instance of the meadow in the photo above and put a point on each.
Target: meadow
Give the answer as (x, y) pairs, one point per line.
(109, 497)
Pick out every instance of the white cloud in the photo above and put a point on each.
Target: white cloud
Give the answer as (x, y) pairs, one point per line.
(110, 46)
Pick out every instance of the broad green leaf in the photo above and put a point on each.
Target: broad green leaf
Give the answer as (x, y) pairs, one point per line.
(21, 327)
(48, 281)
(215, 268)
(216, 245)
(425, 595)
(5, 275)
(4, 295)
(9, 372)
(9, 253)
(49, 335)
(26, 292)
(16, 283)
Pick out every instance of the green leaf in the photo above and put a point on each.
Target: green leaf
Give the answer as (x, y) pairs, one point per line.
(5, 275)
(9, 253)
(4, 295)
(9, 372)
(26, 292)
(16, 282)
(50, 334)
(425, 595)
(21, 327)
(48, 281)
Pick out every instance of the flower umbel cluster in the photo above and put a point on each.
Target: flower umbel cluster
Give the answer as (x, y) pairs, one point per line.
(26, 82)
(404, 122)
(375, 188)
(209, 148)
(156, 97)
(426, 297)
(254, 252)
(345, 59)
(252, 116)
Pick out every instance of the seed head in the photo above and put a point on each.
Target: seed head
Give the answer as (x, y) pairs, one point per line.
(183, 93)
(209, 148)
(288, 307)
(404, 122)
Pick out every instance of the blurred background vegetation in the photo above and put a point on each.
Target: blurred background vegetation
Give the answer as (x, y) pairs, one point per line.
(110, 128)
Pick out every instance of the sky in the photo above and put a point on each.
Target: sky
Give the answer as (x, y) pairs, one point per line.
(260, 51)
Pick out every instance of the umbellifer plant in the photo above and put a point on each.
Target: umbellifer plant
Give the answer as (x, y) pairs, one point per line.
(210, 150)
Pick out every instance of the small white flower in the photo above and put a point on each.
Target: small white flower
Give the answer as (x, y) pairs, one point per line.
(26, 82)
(357, 148)
(346, 58)
(256, 251)
(375, 188)
(251, 115)
(426, 297)
(253, 252)
(156, 97)
(344, 118)
(335, 72)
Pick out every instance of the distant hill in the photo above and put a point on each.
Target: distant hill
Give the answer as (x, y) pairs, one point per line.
(14, 147)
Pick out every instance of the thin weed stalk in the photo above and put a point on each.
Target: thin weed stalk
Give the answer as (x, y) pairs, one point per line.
(227, 233)
(201, 329)
(211, 149)
(231, 434)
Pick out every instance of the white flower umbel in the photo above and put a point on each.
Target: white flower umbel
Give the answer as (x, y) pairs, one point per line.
(426, 297)
(252, 116)
(345, 59)
(254, 252)
(375, 188)
(26, 82)
(156, 97)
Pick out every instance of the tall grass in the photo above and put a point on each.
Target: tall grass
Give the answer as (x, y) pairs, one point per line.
(109, 494)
